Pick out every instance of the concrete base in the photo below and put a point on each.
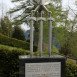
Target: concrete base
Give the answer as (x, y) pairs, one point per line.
(37, 60)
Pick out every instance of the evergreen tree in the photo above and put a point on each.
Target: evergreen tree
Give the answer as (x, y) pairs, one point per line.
(18, 33)
(6, 26)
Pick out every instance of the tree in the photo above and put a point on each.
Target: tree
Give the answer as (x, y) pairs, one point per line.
(6, 26)
(18, 33)
(70, 46)
(9, 26)
(27, 6)
(62, 29)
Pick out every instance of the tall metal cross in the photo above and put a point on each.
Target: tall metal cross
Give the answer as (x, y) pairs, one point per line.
(40, 9)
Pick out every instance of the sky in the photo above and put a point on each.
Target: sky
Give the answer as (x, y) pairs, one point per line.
(6, 5)
(72, 5)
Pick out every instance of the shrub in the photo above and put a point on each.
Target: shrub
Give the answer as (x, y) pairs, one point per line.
(15, 43)
(54, 51)
(9, 60)
(71, 69)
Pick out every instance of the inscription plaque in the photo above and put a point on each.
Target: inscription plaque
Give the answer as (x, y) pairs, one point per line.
(43, 69)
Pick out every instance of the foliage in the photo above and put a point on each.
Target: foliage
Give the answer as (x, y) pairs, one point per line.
(70, 47)
(73, 45)
(65, 49)
(18, 33)
(9, 60)
(60, 35)
(0, 30)
(59, 31)
(71, 69)
(54, 51)
(15, 43)
(61, 28)
(26, 8)
(6, 26)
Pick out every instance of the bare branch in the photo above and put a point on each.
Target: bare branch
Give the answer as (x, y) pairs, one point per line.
(72, 10)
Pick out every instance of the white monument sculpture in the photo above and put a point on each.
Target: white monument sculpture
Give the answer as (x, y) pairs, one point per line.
(41, 5)
(52, 66)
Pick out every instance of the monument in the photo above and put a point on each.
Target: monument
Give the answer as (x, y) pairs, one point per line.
(41, 66)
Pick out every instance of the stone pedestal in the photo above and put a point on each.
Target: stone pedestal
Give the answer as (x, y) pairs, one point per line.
(53, 66)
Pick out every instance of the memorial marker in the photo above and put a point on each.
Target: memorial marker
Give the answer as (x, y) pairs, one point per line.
(41, 66)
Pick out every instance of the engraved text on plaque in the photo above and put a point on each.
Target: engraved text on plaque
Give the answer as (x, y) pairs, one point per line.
(43, 69)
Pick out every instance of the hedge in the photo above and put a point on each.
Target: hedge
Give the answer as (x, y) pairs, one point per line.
(71, 69)
(9, 60)
(15, 43)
